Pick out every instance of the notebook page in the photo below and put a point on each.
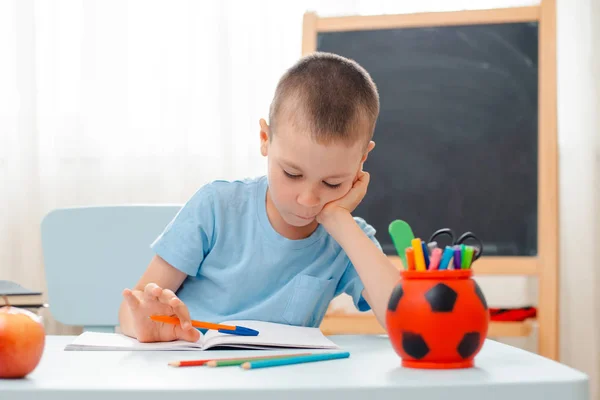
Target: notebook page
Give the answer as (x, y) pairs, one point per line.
(115, 341)
(270, 335)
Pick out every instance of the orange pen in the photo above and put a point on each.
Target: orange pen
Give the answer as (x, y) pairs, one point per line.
(238, 330)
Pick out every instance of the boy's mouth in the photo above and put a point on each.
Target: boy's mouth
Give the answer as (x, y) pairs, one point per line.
(305, 218)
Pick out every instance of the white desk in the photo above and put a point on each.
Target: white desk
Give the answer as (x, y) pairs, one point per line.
(372, 372)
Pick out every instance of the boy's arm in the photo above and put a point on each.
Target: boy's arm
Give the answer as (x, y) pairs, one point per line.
(376, 271)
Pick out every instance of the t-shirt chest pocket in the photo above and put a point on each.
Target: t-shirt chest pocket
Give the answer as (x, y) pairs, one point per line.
(307, 293)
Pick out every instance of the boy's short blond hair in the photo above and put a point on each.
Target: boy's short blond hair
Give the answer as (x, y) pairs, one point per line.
(330, 97)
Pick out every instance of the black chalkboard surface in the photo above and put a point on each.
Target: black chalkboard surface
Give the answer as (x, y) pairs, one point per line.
(456, 140)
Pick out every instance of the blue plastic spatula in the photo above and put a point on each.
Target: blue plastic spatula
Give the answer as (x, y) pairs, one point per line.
(402, 235)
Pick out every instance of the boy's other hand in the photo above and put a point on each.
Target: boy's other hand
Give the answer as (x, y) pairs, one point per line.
(348, 202)
(156, 300)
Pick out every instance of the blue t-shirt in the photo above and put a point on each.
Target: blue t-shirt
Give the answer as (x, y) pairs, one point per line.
(240, 268)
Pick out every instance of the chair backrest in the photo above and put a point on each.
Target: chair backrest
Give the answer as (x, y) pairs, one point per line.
(92, 253)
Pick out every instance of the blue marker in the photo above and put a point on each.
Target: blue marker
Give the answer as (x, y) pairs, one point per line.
(457, 257)
(446, 257)
(425, 254)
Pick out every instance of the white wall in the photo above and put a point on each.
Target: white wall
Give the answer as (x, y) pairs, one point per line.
(578, 52)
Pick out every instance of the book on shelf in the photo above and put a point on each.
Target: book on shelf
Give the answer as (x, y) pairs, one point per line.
(19, 296)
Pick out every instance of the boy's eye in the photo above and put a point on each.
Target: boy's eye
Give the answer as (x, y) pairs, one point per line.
(292, 176)
(329, 185)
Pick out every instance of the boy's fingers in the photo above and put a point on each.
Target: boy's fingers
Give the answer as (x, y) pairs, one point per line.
(132, 301)
(152, 291)
(180, 309)
(191, 335)
(166, 295)
(363, 176)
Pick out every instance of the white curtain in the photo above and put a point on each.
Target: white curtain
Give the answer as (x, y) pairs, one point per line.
(128, 102)
(143, 101)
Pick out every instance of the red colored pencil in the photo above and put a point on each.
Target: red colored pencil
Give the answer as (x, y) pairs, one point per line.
(188, 363)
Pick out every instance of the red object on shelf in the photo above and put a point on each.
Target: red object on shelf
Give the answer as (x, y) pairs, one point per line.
(512, 314)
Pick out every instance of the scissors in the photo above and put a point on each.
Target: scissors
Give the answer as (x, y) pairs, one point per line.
(460, 240)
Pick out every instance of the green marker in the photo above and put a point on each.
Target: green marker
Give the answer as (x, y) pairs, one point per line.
(402, 235)
(468, 258)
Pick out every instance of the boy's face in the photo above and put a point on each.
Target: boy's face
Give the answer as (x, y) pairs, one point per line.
(305, 175)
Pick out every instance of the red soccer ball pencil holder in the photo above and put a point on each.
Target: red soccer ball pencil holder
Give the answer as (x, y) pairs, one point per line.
(437, 316)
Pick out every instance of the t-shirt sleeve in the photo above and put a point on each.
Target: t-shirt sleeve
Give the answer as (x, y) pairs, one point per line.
(187, 239)
(350, 282)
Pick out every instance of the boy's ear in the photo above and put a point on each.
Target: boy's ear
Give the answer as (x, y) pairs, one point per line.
(264, 137)
(370, 147)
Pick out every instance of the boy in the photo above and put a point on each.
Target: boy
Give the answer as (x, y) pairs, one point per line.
(277, 248)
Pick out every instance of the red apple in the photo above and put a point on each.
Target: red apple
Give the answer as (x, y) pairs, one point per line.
(22, 339)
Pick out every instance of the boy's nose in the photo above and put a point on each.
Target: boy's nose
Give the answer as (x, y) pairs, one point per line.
(308, 199)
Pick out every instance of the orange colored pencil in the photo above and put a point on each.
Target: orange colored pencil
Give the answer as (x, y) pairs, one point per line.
(196, 324)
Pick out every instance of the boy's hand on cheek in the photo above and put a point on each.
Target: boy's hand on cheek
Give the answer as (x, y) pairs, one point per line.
(347, 203)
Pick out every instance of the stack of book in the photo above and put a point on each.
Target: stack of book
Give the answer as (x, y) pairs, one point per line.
(18, 296)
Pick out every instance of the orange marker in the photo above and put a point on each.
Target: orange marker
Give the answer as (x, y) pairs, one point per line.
(410, 258)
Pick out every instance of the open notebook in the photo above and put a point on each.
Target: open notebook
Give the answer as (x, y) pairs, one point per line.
(271, 336)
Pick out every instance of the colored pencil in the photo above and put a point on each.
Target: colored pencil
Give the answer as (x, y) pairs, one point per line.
(189, 363)
(240, 330)
(196, 363)
(240, 361)
(294, 360)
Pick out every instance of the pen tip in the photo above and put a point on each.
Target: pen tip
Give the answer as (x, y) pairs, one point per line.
(175, 364)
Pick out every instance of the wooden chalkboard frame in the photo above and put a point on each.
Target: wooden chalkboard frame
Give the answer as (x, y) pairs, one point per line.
(544, 266)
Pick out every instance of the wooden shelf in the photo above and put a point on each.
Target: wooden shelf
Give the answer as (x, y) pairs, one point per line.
(510, 329)
(344, 324)
(351, 325)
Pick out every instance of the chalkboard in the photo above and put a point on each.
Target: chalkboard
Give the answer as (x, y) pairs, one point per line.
(457, 137)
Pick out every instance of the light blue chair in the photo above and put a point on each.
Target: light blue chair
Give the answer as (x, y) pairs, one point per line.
(92, 253)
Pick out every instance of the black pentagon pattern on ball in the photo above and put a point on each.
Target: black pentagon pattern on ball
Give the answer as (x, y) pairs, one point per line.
(395, 297)
(441, 298)
(414, 345)
(468, 345)
(480, 295)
